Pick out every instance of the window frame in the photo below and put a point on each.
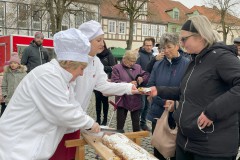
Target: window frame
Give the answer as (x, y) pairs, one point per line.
(134, 29)
(145, 29)
(119, 27)
(114, 27)
(174, 15)
(152, 30)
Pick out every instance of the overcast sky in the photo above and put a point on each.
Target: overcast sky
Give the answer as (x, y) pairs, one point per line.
(191, 3)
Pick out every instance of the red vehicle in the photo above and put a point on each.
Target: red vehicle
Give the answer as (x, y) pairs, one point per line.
(17, 43)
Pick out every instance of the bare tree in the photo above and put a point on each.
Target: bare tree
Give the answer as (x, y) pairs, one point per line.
(46, 15)
(133, 9)
(56, 10)
(226, 9)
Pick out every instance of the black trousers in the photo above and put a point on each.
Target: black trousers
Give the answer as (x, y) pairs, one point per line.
(3, 108)
(183, 155)
(122, 115)
(100, 99)
(155, 151)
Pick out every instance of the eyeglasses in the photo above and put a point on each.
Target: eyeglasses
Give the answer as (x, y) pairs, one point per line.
(184, 39)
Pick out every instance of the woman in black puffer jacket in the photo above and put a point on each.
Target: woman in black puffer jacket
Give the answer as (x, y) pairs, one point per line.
(108, 61)
(209, 96)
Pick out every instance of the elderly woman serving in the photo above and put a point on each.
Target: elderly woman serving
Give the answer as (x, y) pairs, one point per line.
(43, 106)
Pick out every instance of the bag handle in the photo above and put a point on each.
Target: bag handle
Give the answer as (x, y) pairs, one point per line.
(129, 74)
(164, 118)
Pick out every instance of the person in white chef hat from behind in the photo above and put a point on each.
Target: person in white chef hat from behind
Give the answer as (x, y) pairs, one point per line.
(43, 106)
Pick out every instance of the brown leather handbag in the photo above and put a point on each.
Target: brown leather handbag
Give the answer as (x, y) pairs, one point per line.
(164, 138)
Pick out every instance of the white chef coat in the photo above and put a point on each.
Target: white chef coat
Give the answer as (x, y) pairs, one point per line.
(39, 113)
(94, 77)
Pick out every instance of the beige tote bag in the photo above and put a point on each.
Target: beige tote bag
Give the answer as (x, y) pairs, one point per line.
(164, 138)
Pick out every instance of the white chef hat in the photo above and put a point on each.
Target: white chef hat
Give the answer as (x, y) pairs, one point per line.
(71, 45)
(91, 29)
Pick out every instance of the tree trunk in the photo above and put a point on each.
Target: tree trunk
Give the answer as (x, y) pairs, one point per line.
(224, 30)
(59, 18)
(52, 17)
(130, 39)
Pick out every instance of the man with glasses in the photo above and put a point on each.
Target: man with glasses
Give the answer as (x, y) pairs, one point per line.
(145, 56)
(35, 54)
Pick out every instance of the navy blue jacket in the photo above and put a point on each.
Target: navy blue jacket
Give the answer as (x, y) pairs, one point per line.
(169, 74)
(144, 58)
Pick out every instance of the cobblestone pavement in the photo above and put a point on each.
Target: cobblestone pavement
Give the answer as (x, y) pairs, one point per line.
(90, 153)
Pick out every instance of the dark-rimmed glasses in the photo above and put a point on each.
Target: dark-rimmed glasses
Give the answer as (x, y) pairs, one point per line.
(184, 39)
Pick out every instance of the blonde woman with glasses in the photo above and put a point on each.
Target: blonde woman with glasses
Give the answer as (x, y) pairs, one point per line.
(209, 96)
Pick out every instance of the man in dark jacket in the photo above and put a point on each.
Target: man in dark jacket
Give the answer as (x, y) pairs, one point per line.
(145, 56)
(35, 55)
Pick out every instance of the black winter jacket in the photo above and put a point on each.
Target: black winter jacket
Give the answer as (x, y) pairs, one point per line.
(211, 85)
(34, 56)
(144, 58)
(108, 61)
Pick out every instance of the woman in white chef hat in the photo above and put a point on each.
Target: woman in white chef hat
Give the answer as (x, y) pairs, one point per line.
(43, 106)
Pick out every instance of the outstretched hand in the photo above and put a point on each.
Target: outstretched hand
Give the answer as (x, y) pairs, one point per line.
(135, 90)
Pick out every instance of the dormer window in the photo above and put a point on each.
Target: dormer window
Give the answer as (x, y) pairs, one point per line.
(176, 15)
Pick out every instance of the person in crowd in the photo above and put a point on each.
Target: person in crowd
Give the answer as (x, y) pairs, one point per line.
(108, 61)
(237, 43)
(35, 54)
(129, 72)
(94, 78)
(13, 75)
(209, 94)
(145, 56)
(167, 72)
(43, 106)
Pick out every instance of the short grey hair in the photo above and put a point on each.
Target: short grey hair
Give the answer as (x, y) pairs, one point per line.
(204, 28)
(169, 38)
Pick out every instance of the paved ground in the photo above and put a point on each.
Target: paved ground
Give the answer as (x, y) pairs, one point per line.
(90, 154)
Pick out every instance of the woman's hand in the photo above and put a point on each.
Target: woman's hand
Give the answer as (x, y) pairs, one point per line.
(203, 121)
(135, 90)
(153, 92)
(169, 105)
(140, 80)
(95, 128)
(160, 56)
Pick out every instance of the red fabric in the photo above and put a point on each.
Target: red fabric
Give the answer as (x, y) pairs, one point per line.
(63, 153)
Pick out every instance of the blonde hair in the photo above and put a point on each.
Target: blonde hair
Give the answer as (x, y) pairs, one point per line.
(130, 55)
(204, 28)
(71, 64)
